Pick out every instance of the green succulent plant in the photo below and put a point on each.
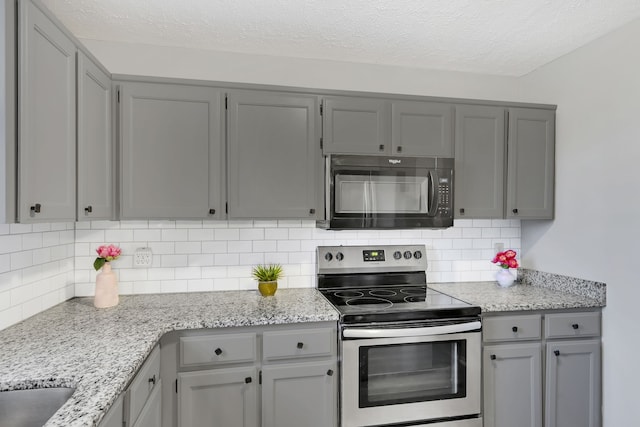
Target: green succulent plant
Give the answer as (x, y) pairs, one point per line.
(267, 273)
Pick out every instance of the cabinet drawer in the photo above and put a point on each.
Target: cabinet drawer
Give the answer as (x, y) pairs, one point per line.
(143, 384)
(570, 325)
(217, 349)
(300, 343)
(511, 328)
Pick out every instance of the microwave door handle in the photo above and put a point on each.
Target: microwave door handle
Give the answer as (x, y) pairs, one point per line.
(433, 199)
(410, 332)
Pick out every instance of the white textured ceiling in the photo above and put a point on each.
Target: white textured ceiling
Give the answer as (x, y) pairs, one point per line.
(502, 37)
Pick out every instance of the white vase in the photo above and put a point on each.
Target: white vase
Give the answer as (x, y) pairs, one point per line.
(505, 277)
(106, 288)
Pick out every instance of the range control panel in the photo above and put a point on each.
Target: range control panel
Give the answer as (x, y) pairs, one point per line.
(382, 258)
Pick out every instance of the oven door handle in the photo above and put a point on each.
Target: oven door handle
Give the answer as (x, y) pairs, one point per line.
(410, 332)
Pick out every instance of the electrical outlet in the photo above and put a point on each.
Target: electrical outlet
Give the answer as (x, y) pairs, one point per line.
(498, 247)
(143, 257)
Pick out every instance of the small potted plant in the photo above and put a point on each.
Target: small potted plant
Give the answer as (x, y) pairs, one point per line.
(267, 277)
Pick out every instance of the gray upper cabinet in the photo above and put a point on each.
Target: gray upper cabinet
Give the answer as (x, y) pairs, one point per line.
(95, 147)
(479, 161)
(530, 176)
(171, 153)
(47, 119)
(355, 125)
(274, 159)
(421, 129)
(387, 127)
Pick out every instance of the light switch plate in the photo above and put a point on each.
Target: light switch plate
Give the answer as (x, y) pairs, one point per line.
(143, 257)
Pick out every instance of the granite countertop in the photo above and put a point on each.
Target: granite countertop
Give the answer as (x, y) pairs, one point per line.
(98, 351)
(536, 291)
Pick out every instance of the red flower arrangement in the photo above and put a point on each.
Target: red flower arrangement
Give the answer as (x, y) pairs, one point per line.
(506, 259)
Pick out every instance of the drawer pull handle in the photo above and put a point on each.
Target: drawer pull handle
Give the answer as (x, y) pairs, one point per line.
(492, 357)
(461, 211)
(88, 209)
(556, 352)
(300, 345)
(575, 326)
(400, 149)
(212, 211)
(152, 380)
(247, 380)
(381, 147)
(312, 211)
(218, 351)
(515, 211)
(514, 329)
(36, 208)
(330, 372)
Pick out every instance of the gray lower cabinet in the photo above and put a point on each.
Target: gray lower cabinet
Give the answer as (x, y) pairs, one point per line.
(287, 389)
(218, 398)
(531, 164)
(47, 119)
(555, 355)
(115, 415)
(95, 142)
(479, 161)
(374, 126)
(171, 151)
(140, 405)
(268, 376)
(274, 155)
(512, 385)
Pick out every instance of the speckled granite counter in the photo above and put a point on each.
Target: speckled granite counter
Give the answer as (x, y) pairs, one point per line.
(540, 291)
(98, 351)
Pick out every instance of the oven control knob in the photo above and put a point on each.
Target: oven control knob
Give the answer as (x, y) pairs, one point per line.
(407, 254)
(339, 256)
(328, 256)
(397, 255)
(417, 254)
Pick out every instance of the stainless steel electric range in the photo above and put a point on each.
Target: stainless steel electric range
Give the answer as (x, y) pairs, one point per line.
(409, 355)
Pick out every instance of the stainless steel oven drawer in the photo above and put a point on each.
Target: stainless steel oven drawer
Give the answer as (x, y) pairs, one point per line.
(571, 325)
(302, 343)
(512, 328)
(217, 349)
(472, 422)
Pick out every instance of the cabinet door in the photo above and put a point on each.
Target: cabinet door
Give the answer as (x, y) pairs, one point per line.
(115, 416)
(151, 414)
(355, 125)
(47, 120)
(512, 385)
(530, 177)
(274, 155)
(95, 147)
(573, 382)
(300, 394)
(479, 161)
(172, 157)
(421, 129)
(218, 398)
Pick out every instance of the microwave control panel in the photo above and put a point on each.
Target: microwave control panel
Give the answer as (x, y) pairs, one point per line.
(444, 196)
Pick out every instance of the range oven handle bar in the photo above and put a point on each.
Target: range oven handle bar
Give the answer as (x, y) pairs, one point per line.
(410, 332)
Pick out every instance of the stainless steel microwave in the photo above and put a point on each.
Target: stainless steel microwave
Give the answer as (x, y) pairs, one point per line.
(373, 192)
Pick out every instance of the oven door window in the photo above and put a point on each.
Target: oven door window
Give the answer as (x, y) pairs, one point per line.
(414, 372)
(381, 194)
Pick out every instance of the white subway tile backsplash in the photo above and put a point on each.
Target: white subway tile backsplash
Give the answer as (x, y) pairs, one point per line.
(44, 264)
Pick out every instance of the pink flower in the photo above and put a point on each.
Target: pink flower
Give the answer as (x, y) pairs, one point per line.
(506, 259)
(109, 252)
